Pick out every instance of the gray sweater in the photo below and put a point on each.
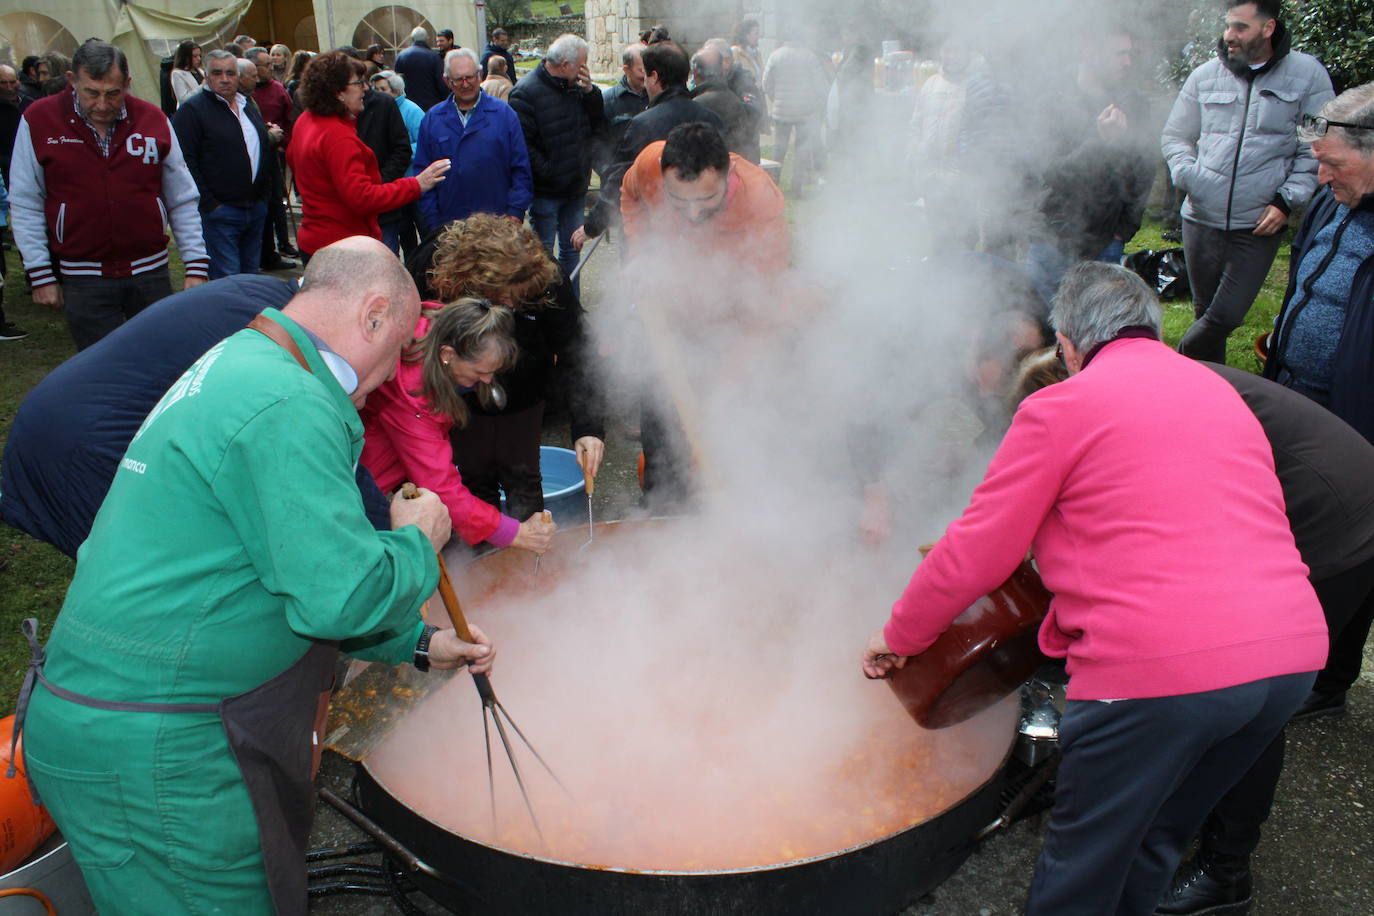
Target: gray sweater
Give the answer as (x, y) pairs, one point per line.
(1231, 139)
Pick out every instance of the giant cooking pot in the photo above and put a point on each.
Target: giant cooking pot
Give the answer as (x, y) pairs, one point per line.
(828, 800)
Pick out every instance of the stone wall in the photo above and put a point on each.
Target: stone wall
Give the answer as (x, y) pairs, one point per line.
(612, 24)
(541, 32)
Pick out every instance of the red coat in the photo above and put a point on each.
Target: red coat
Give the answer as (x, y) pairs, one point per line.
(339, 182)
(406, 440)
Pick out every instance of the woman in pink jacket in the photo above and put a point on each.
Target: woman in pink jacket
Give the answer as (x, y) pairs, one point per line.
(1146, 490)
(458, 348)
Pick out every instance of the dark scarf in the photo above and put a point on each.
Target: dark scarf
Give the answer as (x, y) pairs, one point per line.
(1134, 330)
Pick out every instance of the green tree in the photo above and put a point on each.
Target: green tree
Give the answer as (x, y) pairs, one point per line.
(1340, 34)
(504, 12)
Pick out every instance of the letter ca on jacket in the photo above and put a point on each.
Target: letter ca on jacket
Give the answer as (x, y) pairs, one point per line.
(139, 145)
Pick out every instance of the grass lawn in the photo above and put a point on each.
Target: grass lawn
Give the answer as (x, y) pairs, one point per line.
(34, 576)
(1178, 313)
(549, 8)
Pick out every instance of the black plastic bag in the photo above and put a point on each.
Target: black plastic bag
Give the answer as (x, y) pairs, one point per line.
(1164, 269)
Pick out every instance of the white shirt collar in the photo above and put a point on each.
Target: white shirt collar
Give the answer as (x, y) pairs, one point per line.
(343, 373)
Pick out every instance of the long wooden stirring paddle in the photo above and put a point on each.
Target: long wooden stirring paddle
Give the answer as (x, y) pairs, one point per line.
(490, 704)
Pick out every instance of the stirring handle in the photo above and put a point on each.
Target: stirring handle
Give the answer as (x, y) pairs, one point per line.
(483, 684)
(455, 610)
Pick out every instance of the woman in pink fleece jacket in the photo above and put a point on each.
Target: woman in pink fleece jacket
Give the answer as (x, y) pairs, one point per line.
(1146, 490)
(458, 348)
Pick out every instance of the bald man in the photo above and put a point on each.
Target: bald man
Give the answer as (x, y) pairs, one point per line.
(230, 562)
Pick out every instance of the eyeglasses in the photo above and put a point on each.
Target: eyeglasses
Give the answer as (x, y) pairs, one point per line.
(362, 83)
(1318, 126)
(463, 79)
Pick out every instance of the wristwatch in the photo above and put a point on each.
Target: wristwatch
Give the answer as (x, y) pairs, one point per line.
(422, 647)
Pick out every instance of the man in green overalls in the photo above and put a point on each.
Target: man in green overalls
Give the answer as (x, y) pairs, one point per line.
(172, 730)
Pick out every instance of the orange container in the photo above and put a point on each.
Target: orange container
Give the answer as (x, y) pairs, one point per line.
(23, 825)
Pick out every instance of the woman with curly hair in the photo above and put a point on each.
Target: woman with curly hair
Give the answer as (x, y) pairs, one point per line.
(299, 61)
(186, 75)
(496, 258)
(458, 350)
(337, 176)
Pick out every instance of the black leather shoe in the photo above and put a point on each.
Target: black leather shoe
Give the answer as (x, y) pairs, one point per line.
(1320, 703)
(279, 264)
(1195, 892)
(288, 251)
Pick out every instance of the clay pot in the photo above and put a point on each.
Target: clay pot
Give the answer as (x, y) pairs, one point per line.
(989, 651)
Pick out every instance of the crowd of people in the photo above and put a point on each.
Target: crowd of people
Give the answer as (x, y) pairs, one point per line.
(230, 456)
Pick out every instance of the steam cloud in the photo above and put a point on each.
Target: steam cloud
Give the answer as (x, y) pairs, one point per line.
(701, 676)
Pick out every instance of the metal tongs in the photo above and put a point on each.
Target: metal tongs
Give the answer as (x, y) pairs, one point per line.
(492, 709)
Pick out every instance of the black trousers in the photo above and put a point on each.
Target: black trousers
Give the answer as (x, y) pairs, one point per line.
(667, 455)
(502, 453)
(1232, 830)
(95, 306)
(276, 218)
(1135, 781)
(1226, 271)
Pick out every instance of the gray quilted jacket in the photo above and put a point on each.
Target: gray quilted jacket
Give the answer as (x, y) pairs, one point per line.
(1231, 139)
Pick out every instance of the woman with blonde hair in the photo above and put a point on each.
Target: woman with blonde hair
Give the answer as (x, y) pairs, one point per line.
(496, 258)
(457, 351)
(281, 60)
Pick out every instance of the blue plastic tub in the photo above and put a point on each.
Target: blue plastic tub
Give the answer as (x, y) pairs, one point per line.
(564, 493)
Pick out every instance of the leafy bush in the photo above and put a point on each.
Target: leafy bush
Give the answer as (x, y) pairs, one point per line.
(1340, 34)
(504, 12)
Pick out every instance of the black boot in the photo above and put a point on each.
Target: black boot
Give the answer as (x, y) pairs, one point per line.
(1204, 890)
(1320, 703)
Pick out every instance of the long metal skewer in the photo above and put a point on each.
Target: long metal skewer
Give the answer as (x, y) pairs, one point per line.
(589, 482)
(547, 516)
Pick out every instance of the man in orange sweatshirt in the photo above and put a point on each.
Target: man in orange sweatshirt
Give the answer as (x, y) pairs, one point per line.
(711, 225)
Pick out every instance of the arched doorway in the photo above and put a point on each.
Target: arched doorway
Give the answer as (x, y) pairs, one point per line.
(390, 27)
(24, 33)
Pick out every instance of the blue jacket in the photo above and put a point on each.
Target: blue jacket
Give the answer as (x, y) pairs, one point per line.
(423, 71)
(491, 167)
(72, 429)
(412, 114)
(1352, 368)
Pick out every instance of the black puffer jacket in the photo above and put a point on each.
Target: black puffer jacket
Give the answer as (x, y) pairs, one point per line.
(668, 109)
(561, 124)
(741, 121)
(382, 128)
(555, 353)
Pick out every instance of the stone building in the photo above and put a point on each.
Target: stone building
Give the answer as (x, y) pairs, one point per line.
(612, 24)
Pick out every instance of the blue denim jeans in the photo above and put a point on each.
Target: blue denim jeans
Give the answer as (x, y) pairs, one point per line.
(233, 238)
(563, 216)
(1047, 265)
(1114, 252)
